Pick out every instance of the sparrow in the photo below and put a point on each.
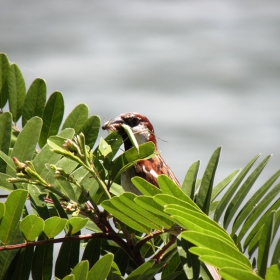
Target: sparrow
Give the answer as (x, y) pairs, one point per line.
(148, 169)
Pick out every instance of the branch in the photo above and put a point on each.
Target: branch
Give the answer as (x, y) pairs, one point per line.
(142, 242)
(57, 240)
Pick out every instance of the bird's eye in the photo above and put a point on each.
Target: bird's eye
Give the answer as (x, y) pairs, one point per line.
(133, 122)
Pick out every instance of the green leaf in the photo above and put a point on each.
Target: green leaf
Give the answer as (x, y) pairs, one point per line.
(102, 268)
(67, 165)
(193, 220)
(80, 271)
(76, 118)
(35, 100)
(190, 262)
(114, 273)
(276, 254)
(253, 201)
(45, 156)
(27, 140)
(217, 259)
(130, 157)
(17, 91)
(105, 154)
(116, 189)
(90, 129)
(52, 117)
(149, 204)
(215, 244)
(163, 200)
(4, 70)
(68, 258)
(42, 262)
(125, 204)
(99, 196)
(172, 276)
(145, 217)
(14, 206)
(37, 202)
(87, 182)
(75, 224)
(174, 267)
(217, 189)
(115, 141)
(104, 149)
(203, 199)
(57, 142)
(69, 277)
(273, 272)
(92, 251)
(23, 265)
(230, 192)
(253, 243)
(151, 272)
(70, 155)
(11, 168)
(264, 244)
(7, 258)
(5, 131)
(131, 136)
(67, 133)
(122, 260)
(63, 184)
(5, 135)
(242, 192)
(138, 272)
(168, 186)
(122, 216)
(53, 226)
(31, 227)
(2, 209)
(188, 186)
(57, 206)
(230, 273)
(173, 194)
(256, 214)
(145, 187)
(4, 95)
(213, 206)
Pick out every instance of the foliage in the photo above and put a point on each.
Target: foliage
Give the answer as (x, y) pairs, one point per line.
(69, 192)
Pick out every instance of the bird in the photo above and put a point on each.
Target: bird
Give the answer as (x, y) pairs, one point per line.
(148, 169)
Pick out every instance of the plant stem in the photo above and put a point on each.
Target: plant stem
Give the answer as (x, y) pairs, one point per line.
(57, 240)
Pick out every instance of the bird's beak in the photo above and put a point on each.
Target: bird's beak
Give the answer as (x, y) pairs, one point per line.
(113, 125)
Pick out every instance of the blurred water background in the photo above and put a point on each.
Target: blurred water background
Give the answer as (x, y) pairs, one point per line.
(206, 73)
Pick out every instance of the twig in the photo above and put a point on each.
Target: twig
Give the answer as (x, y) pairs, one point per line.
(57, 240)
(143, 241)
(159, 254)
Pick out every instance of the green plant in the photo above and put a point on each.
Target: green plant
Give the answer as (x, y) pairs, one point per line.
(72, 185)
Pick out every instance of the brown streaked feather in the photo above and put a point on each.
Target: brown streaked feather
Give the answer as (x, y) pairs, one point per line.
(149, 169)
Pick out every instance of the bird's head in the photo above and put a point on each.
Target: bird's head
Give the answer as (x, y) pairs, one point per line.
(139, 124)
